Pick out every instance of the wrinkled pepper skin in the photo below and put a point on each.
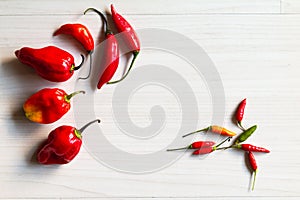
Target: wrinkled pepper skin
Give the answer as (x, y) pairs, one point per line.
(79, 32)
(48, 105)
(61, 147)
(51, 63)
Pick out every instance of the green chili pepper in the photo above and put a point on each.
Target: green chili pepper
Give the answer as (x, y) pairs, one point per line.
(247, 133)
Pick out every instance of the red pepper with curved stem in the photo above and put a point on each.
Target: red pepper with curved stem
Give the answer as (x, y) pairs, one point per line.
(204, 150)
(62, 145)
(196, 145)
(129, 36)
(48, 105)
(253, 165)
(80, 33)
(250, 147)
(214, 129)
(51, 63)
(111, 52)
(240, 113)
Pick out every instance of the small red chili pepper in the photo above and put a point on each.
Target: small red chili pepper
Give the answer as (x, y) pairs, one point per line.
(250, 147)
(129, 36)
(48, 105)
(240, 113)
(253, 165)
(80, 33)
(204, 150)
(62, 145)
(196, 145)
(111, 52)
(51, 63)
(214, 129)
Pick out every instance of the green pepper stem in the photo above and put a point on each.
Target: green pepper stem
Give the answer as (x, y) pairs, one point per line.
(201, 130)
(240, 126)
(227, 139)
(105, 27)
(79, 66)
(187, 147)
(91, 59)
(69, 96)
(88, 124)
(254, 179)
(135, 53)
(224, 148)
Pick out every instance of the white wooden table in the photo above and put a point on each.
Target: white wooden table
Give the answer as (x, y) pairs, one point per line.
(255, 47)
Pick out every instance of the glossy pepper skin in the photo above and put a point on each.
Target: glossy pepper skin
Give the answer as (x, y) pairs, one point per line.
(123, 26)
(48, 105)
(253, 165)
(51, 63)
(204, 150)
(129, 37)
(111, 52)
(196, 145)
(252, 148)
(240, 113)
(214, 129)
(80, 32)
(62, 145)
(246, 134)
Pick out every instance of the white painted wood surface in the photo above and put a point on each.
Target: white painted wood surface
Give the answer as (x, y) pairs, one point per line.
(255, 47)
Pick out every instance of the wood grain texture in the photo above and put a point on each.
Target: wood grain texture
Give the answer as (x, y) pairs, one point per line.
(56, 7)
(290, 6)
(256, 55)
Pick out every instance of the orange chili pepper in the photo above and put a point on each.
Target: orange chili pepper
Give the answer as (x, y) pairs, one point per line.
(214, 129)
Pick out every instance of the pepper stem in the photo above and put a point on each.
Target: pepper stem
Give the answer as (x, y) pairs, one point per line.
(224, 148)
(135, 53)
(187, 147)
(69, 96)
(88, 124)
(254, 179)
(205, 129)
(227, 139)
(106, 29)
(239, 123)
(79, 132)
(79, 66)
(91, 59)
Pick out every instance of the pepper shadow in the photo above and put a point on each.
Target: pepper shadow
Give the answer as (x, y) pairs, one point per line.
(25, 83)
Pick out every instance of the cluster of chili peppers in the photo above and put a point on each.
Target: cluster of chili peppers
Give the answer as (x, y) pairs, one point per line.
(206, 147)
(57, 65)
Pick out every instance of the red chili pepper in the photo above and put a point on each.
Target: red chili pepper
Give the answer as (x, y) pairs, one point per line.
(51, 63)
(196, 145)
(48, 105)
(111, 52)
(240, 113)
(253, 165)
(80, 33)
(129, 36)
(62, 145)
(205, 150)
(250, 147)
(214, 129)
